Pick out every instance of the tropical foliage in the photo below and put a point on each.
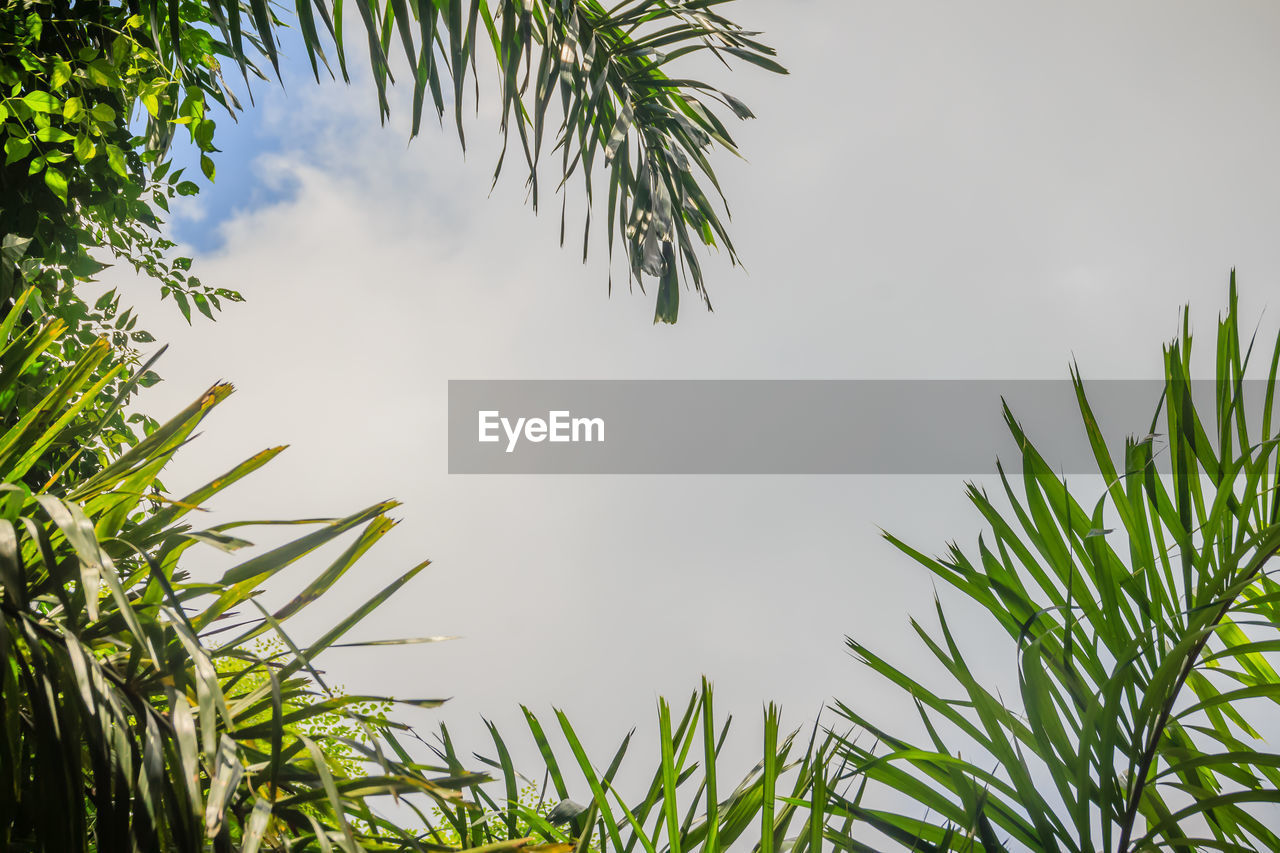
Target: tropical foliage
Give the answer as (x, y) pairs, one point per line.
(78, 175)
(124, 726)
(145, 709)
(1146, 632)
(684, 807)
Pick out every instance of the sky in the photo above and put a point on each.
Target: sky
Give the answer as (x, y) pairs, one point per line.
(937, 190)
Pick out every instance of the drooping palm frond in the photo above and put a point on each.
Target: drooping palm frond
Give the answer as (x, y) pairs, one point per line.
(602, 79)
(1146, 630)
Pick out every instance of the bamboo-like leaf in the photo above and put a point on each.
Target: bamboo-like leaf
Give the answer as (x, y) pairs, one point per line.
(337, 631)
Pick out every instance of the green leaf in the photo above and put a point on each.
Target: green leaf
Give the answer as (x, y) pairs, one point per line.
(61, 73)
(102, 73)
(41, 102)
(84, 149)
(35, 27)
(57, 182)
(669, 783)
(83, 266)
(52, 134)
(115, 159)
(15, 148)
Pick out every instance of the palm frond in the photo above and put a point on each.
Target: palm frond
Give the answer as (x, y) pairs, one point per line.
(129, 720)
(1146, 632)
(595, 88)
(143, 709)
(680, 811)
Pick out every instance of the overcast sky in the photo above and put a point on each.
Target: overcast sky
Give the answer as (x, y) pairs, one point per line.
(938, 190)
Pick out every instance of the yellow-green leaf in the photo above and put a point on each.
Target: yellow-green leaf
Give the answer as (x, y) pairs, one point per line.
(41, 102)
(57, 182)
(84, 149)
(52, 134)
(61, 73)
(15, 148)
(115, 158)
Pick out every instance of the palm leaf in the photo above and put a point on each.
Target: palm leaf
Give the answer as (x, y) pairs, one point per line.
(1145, 653)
